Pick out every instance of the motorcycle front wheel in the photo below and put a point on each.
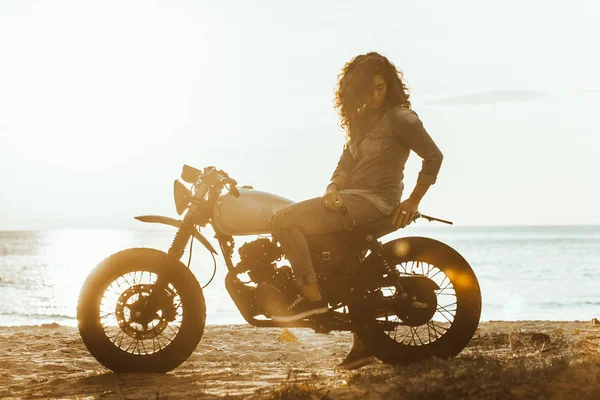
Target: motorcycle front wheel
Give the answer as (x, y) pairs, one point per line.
(115, 326)
(441, 329)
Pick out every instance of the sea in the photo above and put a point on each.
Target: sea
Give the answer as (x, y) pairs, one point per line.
(525, 272)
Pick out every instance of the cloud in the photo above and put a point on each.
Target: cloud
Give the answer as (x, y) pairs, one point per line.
(490, 97)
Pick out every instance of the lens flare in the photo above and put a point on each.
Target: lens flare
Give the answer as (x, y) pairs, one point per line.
(402, 248)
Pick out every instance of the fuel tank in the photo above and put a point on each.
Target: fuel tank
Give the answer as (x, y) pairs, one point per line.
(249, 214)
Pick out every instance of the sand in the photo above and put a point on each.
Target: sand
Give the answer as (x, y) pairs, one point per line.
(505, 360)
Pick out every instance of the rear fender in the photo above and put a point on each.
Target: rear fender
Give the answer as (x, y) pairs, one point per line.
(159, 219)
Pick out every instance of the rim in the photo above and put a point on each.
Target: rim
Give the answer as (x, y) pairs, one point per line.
(119, 315)
(445, 312)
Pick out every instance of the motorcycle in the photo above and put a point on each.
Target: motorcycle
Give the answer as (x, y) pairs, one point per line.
(143, 310)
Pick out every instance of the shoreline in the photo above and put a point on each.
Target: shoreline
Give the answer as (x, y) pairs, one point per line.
(554, 359)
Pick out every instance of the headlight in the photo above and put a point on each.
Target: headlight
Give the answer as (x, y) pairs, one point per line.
(190, 174)
(182, 197)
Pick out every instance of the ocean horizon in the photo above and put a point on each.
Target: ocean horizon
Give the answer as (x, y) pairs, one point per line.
(527, 272)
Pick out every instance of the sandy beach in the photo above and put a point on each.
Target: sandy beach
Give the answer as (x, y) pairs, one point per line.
(523, 359)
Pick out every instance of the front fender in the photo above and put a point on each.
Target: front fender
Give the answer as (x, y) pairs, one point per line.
(159, 219)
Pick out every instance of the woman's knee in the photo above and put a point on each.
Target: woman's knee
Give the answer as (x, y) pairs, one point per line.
(281, 221)
(300, 215)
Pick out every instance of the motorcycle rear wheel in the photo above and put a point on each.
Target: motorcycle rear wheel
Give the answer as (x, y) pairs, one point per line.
(458, 306)
(113, 295)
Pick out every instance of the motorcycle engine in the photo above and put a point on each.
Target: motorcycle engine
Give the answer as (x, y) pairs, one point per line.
(273, 284)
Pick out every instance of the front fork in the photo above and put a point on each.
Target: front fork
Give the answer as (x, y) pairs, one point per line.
(158, 295)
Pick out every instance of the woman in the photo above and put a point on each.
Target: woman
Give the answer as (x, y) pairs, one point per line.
(381, 130)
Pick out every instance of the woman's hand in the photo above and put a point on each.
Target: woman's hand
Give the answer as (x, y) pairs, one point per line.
(332, 199)
(405, 212)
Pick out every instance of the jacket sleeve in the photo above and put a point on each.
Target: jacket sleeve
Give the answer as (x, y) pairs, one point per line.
(345, 165)
(414, 136)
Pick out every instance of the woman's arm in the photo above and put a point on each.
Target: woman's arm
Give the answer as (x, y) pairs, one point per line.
(415, 137)
(339, 179)
(338, 182)
(342, 173)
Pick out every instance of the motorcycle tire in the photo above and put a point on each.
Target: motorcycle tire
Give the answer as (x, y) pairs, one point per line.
(125, 267)
(467, 311)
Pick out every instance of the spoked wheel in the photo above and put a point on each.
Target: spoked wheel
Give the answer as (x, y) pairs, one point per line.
(435, 320)
(122, 308)
(117, 327)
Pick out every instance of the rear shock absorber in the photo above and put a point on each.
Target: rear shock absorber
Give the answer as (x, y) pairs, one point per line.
(377, 248)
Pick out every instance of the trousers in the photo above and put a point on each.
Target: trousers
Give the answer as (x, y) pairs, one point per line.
(310, 217)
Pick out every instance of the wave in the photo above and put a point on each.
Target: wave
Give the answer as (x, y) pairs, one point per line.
(568, 304)
(36, 315)
(51, 325)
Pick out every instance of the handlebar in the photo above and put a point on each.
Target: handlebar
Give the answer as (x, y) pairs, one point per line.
(427, 217)
(344, 211)
(210, 174)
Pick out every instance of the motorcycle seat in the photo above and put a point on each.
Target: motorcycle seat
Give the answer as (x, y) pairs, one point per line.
(329, 250)
(376, 228)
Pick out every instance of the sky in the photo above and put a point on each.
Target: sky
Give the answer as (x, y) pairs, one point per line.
(101, 103)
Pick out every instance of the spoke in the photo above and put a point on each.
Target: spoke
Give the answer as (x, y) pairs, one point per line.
(144, 347)
(405, 336)
(134, 341)
(412, 330)
(113, 289)
(126, 280)
(442, 314)
(173, 330)
(122, 334)
(105, 324)
(153, 344)
(444, 280)
(167, 339)
(432, 276)
(448, 311)
(440, 327)
(160, 344)
(108, 333)
(433, 327)
(429, 332)
(447, 307)
(119, 285)
(428, 270)
(403, 267)
(445, 287)
(419, 337)
(420, 265)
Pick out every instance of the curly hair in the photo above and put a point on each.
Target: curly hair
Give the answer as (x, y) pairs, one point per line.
(355, 81)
